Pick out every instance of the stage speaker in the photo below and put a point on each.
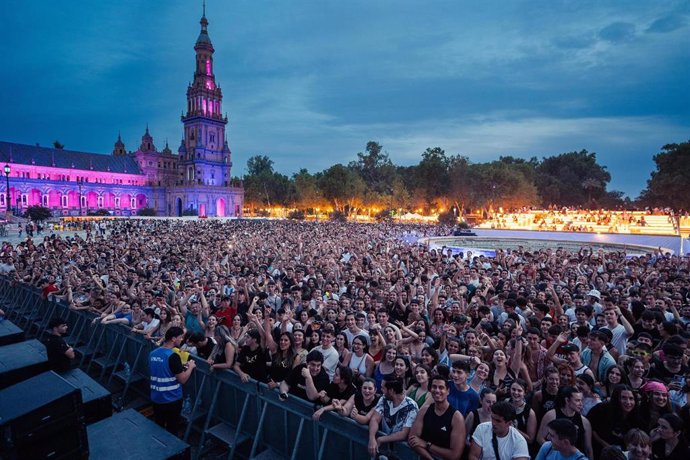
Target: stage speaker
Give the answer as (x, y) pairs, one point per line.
(98, 402)
(22, 360)
(129, 434)
(42, 418)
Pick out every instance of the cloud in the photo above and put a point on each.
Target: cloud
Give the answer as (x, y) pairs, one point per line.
(667, 24)
(618, 32)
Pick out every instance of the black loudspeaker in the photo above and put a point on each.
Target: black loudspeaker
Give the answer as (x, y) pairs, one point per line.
(98, 402)
(10, 333)
(129, 434)
(42, 418)
(22, 360)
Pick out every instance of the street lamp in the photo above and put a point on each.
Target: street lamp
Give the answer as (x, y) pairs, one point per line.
(8, 199)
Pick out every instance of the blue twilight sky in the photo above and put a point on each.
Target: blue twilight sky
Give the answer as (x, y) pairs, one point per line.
(309, 82)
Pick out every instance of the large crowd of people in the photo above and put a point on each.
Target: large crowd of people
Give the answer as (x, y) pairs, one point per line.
(549, 354)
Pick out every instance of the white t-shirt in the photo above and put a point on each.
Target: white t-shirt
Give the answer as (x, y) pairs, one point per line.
(511, 446)
(620, 337)
(331, 358)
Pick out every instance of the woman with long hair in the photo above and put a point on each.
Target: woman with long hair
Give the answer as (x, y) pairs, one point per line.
(636, 373)
(585, 383)
(480, 377)
(487, 398)
(210, 328)
(386, 365)
(166, 322)
(359, 361)
(282, 357)
(338, 392)
(377, 344)
(360, 407)
(223, 353)
(343, 347)
(501, 376)
(298, 344)
(526, 419)
(419, 390)
(237, 330)
(668, 441)
(567, 375)
(402, 370)
(615, 417)
(615, 375)
(654, 404)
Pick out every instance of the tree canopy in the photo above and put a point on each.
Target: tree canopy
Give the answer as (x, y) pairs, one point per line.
(442, 181)
(669, 184)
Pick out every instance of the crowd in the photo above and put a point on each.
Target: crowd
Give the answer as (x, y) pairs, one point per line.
(583, 220)
(548, 354)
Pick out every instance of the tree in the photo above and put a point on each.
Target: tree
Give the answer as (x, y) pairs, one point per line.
(58, 145)
(375, 168)
(307, 192)
(432, 176)
(259, 164)
(569, 179)
(99, 212)
(669, 184)
(264, 187)
(448, 218)
(38, 213)
(343, 187)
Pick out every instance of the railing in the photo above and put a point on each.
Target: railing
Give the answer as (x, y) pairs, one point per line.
(217, 403)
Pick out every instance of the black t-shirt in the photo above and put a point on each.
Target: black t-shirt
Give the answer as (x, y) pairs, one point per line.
(297, 383)
(175, 364)
(253, 362)
(333, 392)
(205, 350)
(658, 371)
(56, 348)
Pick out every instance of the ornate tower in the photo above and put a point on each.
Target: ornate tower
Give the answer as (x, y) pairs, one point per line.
(119, 147)
(204, 154)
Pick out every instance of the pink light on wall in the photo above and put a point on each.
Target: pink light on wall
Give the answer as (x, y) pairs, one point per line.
(126, 201)
(92, 200)
(203, 106)
(210, 107)
(34, 197)
(208, 67)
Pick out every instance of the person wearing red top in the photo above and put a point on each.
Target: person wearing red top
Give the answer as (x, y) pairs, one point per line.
(226, 312)
(49, 287)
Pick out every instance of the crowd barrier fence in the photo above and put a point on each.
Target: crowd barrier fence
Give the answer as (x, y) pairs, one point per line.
(217, 403)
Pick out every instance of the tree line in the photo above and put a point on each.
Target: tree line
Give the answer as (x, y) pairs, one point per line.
(441, 182)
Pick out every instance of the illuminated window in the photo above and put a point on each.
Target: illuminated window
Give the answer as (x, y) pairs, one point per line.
(64, 201)
(100, 201)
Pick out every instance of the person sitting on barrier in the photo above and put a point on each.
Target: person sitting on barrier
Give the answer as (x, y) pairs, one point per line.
(60, 354)
(223, 353)
(439, 429)
(306, 381)
(394, 415)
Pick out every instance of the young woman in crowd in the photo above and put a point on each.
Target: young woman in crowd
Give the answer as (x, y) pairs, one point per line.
(419, 390)
(359, 361)
(223, 354)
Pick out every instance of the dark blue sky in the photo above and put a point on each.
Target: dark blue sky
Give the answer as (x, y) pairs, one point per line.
(308, 83)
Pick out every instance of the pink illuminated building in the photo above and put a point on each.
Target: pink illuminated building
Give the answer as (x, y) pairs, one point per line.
(197, 177)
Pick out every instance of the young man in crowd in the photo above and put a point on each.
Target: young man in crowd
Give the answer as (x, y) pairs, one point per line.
(439, 429)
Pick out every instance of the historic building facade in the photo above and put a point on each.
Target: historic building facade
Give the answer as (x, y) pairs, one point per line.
(197, 178)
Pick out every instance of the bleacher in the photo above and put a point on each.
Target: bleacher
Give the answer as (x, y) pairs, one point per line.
(627, 222)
